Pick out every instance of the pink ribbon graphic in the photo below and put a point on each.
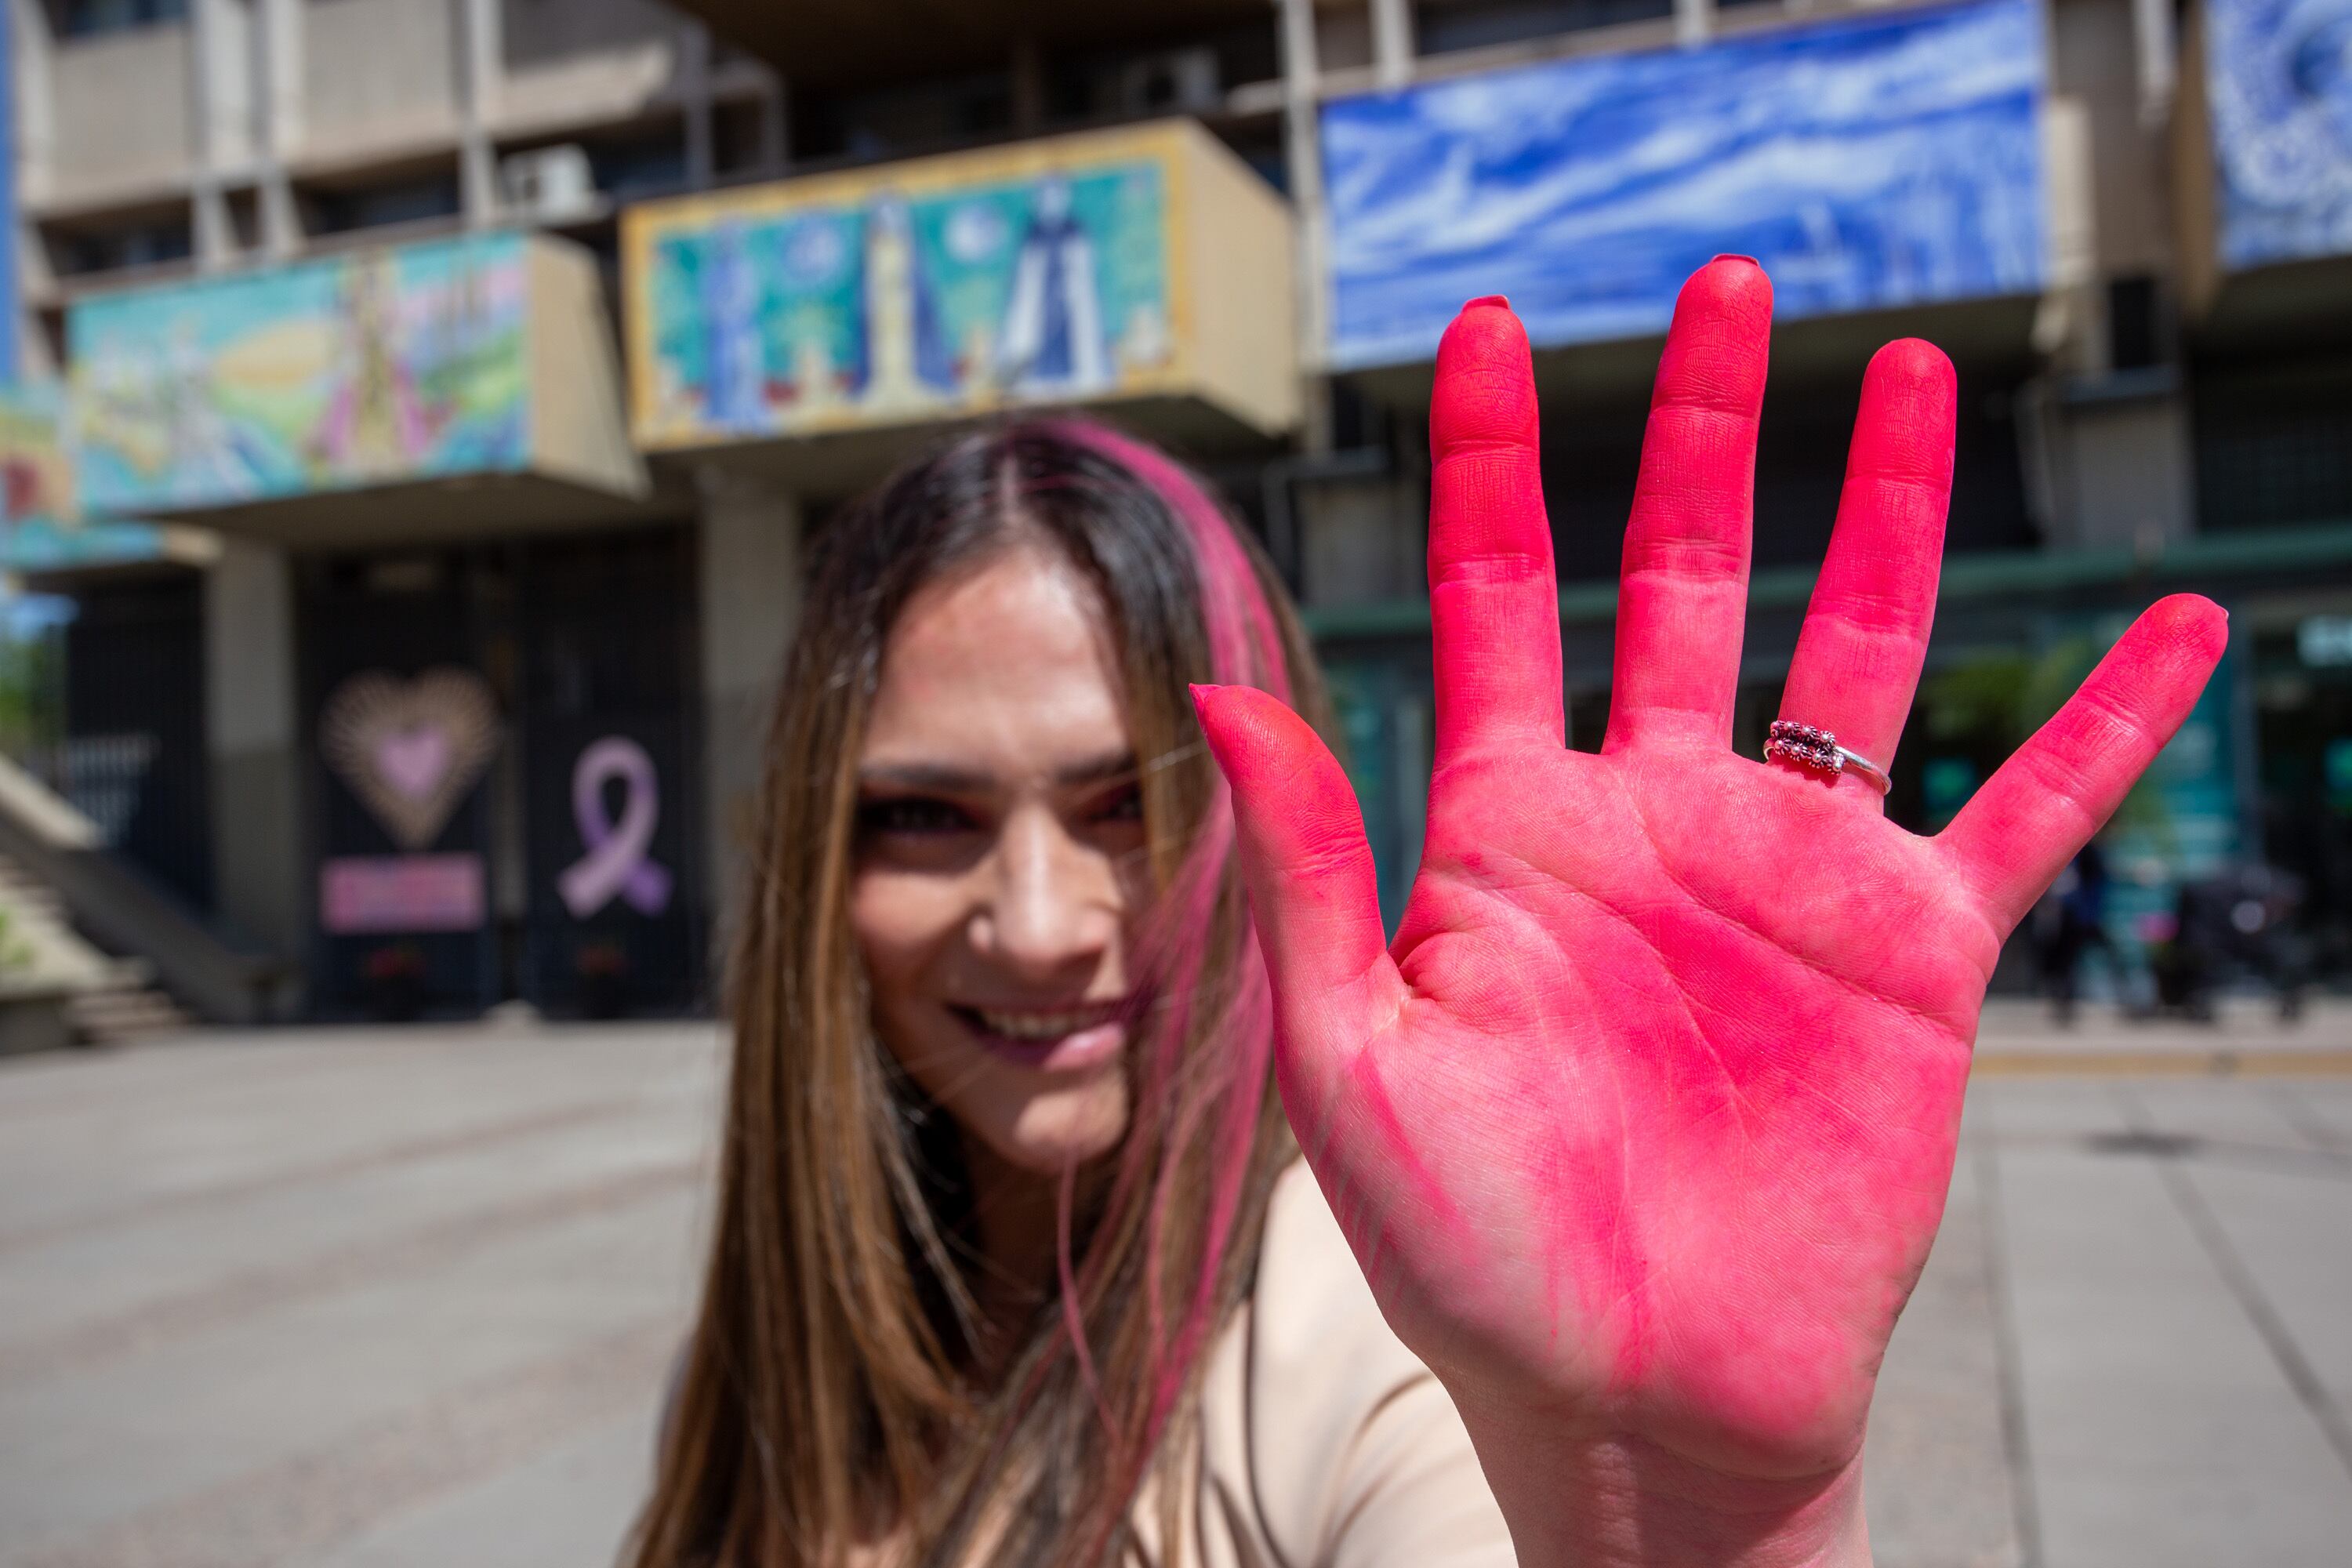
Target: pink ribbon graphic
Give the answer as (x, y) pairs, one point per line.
(616, 861)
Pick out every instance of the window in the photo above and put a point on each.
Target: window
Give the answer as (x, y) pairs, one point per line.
(1444, 28)
(88, 18)
(411, 201)
(648, 166)
(148, 244)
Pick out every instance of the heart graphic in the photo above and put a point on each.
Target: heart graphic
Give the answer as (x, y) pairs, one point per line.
(414, 762)
(410, 750)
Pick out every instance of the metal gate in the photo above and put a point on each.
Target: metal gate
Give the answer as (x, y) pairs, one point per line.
(403, 729)
(134, 758)
(611, 781)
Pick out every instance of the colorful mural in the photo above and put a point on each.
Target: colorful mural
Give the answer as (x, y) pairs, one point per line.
(940, 287)
(42, 525)
(1869, 162)
(391, 364)
(2279, 79)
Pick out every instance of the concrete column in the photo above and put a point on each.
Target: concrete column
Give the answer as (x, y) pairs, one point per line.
(216, 106)
(751, 590)
(694, 85)
(1303, 167)
(1392, 48)
(29, 54)
(278, 69)
(481, 69)
(2158, 51)
(253, 735)
(1694, 21)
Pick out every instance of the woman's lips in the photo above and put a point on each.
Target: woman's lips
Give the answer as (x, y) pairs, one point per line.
(1055, 1039)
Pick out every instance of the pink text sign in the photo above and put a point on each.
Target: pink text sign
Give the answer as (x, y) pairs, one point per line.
(360, 893)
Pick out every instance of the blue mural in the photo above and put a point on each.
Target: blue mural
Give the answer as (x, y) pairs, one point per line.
(2279, 77)
(1867, 162)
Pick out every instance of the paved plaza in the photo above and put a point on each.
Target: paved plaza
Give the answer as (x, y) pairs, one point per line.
(384, 1298)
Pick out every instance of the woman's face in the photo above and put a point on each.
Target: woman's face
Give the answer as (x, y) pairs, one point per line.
(1001, 860)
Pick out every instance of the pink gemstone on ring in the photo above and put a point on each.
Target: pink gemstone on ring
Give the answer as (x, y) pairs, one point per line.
(1804, 744)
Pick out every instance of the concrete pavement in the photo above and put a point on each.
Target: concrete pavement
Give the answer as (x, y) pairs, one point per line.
(381, 1298)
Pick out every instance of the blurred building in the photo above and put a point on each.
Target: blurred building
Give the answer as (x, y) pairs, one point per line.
(448, 385)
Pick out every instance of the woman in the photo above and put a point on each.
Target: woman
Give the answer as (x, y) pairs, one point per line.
(1637, 1134)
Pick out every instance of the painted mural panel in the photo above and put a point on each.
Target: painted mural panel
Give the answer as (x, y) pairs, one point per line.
(42, 525)
(1867, 162)
(392, 364)
(925, 290)
(2279, 79)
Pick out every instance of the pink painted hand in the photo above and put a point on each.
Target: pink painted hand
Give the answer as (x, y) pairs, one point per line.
(1642, 1127)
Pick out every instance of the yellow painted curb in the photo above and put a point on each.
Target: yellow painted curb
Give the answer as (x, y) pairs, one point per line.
(2218, 1063)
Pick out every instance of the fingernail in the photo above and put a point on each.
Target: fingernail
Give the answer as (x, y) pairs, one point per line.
(1735, 256)
(1503, 300)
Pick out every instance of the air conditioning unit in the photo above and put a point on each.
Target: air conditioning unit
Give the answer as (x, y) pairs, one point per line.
(550, 184)
(1173, 81)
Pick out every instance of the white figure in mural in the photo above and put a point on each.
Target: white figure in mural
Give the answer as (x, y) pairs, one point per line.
(905, 362)
(205, 457)
(1052, 344)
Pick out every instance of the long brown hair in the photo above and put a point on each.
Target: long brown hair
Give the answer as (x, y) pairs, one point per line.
(828, 1398)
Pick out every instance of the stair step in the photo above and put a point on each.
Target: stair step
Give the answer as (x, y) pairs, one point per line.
(115, 1017)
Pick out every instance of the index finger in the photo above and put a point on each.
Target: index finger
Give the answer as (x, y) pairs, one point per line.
(1494, 605)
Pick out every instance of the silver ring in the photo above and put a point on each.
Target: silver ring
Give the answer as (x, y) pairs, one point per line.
(1817, 749)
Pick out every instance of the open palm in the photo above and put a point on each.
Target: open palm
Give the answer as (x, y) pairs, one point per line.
(1646, 1119)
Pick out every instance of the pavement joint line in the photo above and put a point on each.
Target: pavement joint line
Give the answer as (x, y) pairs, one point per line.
(2308, 1127)
(2301, 1377)
(456, 1141)
(2016, 1450)
(249, 1292)
(291, 1510)
(2223, 1062)
(2274, 1159)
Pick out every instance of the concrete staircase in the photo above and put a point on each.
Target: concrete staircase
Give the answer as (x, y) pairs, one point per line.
(102, 1001)
(70, 906)
(125, 1016)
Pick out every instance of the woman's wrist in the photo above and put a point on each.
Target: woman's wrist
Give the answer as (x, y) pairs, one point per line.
(1623, 1501)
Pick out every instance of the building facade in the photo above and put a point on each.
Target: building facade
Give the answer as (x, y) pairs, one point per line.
(423, 403)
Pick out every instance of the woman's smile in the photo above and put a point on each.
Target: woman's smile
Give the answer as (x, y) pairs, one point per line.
(1064, 1037)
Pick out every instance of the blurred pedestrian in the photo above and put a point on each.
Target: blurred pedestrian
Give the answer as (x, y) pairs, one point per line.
(2069, 923)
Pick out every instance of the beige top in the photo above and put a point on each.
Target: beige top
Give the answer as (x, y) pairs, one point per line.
(1325, 1443)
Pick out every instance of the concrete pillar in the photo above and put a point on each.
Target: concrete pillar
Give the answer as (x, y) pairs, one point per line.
(1393, 47)
(219, 108)
(694, 87)
(481, 74)
(30, 58)
(1303, 169)
(279, 68)
(253, 737)
(751, 590)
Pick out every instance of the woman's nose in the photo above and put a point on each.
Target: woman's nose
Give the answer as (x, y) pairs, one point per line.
(1051, 907)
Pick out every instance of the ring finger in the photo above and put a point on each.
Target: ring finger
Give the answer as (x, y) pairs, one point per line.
(1865, 634)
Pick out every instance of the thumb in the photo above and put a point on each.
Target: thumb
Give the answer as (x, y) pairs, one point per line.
(1313, 892)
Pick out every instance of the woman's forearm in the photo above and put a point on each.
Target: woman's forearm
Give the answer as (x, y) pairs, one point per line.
(1625, 1502)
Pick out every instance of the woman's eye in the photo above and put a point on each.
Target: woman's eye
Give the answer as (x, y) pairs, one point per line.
(1124, 804)
(913, 816)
